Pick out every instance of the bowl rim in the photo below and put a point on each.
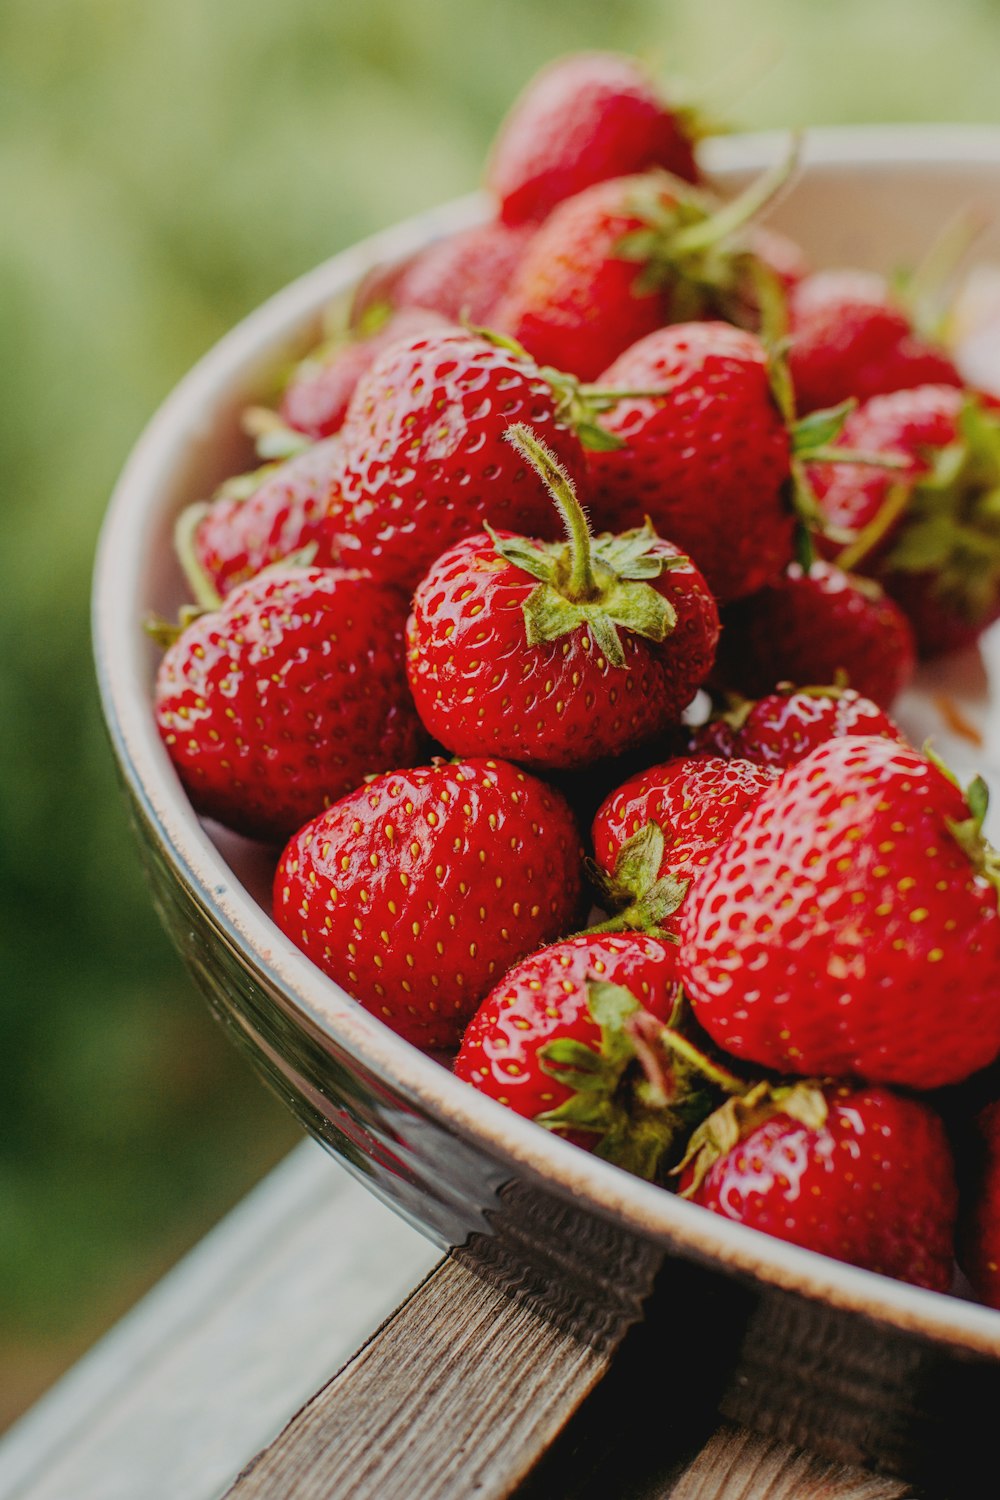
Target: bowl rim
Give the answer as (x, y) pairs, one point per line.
(185, 422)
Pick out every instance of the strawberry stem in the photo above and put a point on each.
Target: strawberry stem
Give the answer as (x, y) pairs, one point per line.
(741, 209)
(581, 583)
(201, 585)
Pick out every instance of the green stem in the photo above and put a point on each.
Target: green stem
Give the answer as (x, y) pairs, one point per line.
(581, 583)
(714, 1072)
(742, 208)
(201, 585)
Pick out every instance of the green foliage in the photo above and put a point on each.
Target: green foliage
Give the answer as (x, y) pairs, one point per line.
(164, 166)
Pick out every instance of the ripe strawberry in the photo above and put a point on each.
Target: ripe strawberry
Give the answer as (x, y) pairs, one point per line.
(461, 276)
(259, 519)
(653, 836)
(818, 625)
(850, 925)
(418, 890)
(622, 258)
(980, 1249)
(557, 656)
(710, 461)
(287, 697)
(786, 726)
(316, 398)
(424, 458)
(928, 533)
(854, 1172)
(575, 1039)
(585, 118)
(848, 338)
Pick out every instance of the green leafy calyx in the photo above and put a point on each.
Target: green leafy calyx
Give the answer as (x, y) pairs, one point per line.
(638, 895)
(598, 584)
(951, 526)
(740, 1116)
(640, 1091)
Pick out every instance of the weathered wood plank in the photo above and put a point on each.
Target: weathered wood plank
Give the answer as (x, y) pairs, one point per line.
(735, 1464)
(214, 1361)
(457, 1395)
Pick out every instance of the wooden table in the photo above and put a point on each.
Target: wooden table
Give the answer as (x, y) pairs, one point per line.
(209, 1368)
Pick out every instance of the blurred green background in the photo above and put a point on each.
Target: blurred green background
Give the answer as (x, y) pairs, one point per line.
(163, 167)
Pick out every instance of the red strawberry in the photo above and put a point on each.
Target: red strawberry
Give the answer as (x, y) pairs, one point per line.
(585, 118)
(928, 533)
(259, 519)
(286, 697)
(818, 625)
(850, 925)
(559, 655)
(709, 461)
(786, 726)
(418, 890)
(853, 1172)
(424, 458)
(624, 257)
(574, 1038)
(316, 397)
(848, 338)
(980, 1255)
(461, 276)
(653, 836)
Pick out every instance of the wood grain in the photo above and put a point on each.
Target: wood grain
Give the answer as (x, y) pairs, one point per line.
(735, 1464)
(458, 1394)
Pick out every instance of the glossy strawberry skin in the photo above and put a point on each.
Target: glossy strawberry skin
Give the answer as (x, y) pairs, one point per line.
(817, 626)
(277, 704)
(237, 537)
(783, 728)
(708, 462)
(425, 460)
(576, 303)
(418, 890)
(873, 1186)
(843, 930)
(697, 802)
(544, 999)
(980, 1250)
(583, 119)
(317, 396)
(849, 340)
(481, 689)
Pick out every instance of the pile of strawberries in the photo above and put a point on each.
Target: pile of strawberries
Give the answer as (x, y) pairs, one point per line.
(615, 451)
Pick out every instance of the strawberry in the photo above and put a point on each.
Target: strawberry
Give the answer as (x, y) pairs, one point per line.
(424, 458)
(557, 656)
(462, 276)
(416, 891)
(854, 1172)
(818, 625)
(848, 338)
(622, 258)
(980, 1247)
(258, 519)
(575, 1039)
(279, 702)
(788, 725)
(928, 533)
(316, 398)
(582, 119)
(709, 461)
(654, 834)
(850, 925)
